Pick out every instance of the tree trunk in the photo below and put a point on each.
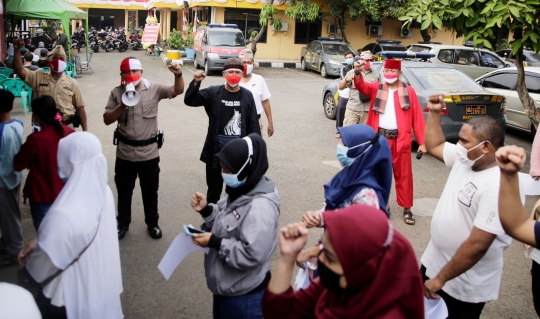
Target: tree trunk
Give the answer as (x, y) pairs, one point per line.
(523, 93)
(342, 27)
(256, 39)
(425, 35)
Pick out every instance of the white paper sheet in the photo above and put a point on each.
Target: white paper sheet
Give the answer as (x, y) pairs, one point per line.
(531, 187)
(435, 309)
(302, 278)
(179, 249)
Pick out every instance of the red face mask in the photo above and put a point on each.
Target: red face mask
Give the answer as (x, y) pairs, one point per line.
(233, 79)
(132, 77)
(57, 65)
(368, 65)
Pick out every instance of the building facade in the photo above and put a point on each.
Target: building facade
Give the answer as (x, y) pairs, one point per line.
(284, 44)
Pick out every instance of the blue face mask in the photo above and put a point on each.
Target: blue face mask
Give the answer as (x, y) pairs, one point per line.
(343, 150)
(231, 180)
(342, 155)
(62, 177)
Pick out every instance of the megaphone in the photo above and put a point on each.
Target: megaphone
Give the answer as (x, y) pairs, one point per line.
(130, 97)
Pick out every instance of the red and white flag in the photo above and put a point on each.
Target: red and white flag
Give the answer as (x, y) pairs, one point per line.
(195, 20)
(184, 23)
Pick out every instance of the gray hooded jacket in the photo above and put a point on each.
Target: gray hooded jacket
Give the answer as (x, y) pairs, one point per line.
(249, 228)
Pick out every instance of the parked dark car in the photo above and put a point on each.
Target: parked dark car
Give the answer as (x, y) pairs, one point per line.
(530, 58)
(383, 45)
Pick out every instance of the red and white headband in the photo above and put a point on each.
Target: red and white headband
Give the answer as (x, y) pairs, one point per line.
(130, 64)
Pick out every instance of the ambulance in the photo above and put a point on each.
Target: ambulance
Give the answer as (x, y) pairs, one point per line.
(215, 43)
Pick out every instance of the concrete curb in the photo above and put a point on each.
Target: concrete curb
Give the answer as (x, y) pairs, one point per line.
(279, 65)
(258, 64)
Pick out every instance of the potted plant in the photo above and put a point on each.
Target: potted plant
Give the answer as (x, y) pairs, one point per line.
(176, 43)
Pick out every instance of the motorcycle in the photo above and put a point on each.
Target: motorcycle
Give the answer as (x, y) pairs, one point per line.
(121, 43)
(93, 41)
(135, 42)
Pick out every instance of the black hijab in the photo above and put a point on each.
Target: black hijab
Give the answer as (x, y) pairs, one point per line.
(235, 154)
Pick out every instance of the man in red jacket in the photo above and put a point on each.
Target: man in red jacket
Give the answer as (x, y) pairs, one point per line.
(394, 113)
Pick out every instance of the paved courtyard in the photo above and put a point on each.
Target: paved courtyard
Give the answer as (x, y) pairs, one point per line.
(302, 159)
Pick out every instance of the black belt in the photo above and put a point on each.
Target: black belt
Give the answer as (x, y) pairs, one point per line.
(127, 141)
(388, 133)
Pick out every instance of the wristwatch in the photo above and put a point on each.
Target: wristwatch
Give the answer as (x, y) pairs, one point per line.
(178, 75)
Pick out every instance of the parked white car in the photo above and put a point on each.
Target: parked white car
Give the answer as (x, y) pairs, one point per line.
(503, 82)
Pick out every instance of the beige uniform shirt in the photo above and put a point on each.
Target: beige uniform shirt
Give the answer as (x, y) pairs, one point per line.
(141, 120)
(66, 92)
(354, 102)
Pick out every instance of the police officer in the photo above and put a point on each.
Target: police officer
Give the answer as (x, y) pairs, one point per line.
(64, 89)
(137, 138)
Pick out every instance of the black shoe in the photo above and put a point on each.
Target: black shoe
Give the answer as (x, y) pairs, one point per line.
(155, 232)
(122, 230)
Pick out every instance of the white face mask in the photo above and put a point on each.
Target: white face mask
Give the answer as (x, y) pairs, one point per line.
(462, 154)
(390, 81)
(249, 68)
(232, 85)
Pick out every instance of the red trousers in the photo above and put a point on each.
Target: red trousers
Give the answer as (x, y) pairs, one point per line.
(402, 167)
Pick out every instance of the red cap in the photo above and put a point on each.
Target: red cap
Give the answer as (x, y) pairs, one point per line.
(392, 64)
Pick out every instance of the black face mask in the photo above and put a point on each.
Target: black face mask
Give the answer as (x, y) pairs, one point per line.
(329, 279)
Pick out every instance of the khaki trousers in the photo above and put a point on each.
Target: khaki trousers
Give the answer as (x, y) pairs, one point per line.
(354, 117)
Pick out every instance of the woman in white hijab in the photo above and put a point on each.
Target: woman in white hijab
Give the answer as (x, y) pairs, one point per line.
(81, 222)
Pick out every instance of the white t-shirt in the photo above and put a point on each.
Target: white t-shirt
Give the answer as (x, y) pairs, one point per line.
(257, 86)
(388, 120)
(344, 93)
(469, 199)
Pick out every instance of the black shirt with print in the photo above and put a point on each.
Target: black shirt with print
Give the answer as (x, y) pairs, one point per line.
(230, 121)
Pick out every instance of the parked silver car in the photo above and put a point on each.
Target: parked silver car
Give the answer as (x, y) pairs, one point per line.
(325, 55)
(503, 82)
(471, 61)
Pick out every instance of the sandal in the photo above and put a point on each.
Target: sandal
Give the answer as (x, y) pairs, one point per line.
(408, 218)
(8, 260)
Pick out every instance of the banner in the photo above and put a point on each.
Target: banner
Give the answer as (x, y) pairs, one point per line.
(151, 32)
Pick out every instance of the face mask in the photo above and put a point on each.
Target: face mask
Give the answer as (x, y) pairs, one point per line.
(248, 68)
(36, 127)
(57, 65)
(462, 154)
(57, 33)
(132, 78)
(329, 279)
(390, 77)
(231, 180)
(233, 80)
(343, 150)
(368, 65)
(342, 155)
(62, 177)
(349, 61)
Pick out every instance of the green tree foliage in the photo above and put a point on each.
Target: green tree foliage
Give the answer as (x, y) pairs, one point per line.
(476, 20)
(376, 10)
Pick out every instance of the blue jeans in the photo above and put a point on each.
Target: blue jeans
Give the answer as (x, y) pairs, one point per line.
(39, 210)
(247, 306)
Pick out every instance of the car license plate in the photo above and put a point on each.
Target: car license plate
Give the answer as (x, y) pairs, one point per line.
(476, 109)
